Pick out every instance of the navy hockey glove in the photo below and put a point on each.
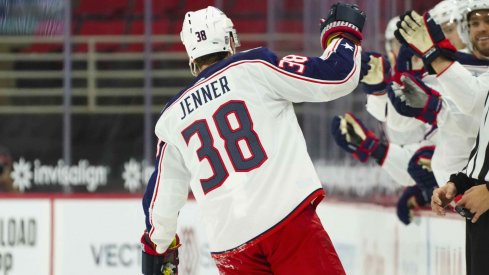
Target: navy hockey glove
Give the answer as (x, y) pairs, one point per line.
(364, 65)
(406, 64)
(378, 73)
(419, 168)
(415, 99)
(424, 36)
(411, 199)
(344, 20)
(352, 136)
(154, 263)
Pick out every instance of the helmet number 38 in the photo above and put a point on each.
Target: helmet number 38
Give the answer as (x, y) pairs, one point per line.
(201, 36)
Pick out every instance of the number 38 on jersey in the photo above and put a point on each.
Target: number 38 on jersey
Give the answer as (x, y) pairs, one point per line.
(242, 145)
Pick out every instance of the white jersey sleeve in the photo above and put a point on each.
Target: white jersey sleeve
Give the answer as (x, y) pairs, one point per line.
(377, 106)
(316, 79)
(458, 123)
(165, 195)
(467, 91)
(396, 163)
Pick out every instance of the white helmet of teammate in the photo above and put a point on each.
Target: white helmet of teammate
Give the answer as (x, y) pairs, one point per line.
(467, 7)
(389, 33)
(207, 31)
(447, 11)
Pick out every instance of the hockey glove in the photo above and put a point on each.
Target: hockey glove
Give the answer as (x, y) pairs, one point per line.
(411, 198)
(344, 20)
(154, 263)
(419, 167)
(352, 136)
(375, 80)
(424, 36)
(415, 99)
(364, 65)
(405, 63)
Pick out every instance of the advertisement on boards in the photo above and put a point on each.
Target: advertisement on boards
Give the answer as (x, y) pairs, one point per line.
(98, 236)
(25, 237)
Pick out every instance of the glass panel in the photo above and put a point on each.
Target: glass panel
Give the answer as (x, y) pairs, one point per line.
(31, 92)
(108, 84)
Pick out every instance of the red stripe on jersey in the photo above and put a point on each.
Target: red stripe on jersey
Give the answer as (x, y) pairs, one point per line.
(158, 147)
(444, 70)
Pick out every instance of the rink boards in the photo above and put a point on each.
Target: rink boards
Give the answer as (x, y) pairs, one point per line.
(78, 235)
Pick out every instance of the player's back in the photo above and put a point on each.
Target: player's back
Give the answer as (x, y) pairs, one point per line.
(239, 138)
(243, 147)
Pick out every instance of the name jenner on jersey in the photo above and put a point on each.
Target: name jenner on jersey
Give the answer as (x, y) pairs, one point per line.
(203, 95)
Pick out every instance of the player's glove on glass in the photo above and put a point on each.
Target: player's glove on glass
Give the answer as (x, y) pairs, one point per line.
(424, 36)
(343, 20)
(414, 99)
(352, 136)
(411, 198)
(419, 167)
(378, 73)
(154, 263)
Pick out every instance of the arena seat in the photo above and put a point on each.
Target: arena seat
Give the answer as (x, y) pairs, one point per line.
(104, 8)
(192, 5)
(290, 26)
(249, 8)
(159, 7)
(246, 25)
(43, 48)
(160, 26)
(92, 27)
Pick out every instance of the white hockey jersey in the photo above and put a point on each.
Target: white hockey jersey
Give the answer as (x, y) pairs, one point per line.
(233, 136)
(470, 93)
(456, 132)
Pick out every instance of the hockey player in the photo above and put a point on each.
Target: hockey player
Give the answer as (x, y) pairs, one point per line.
(409, 166)
(405, 137)
(454, 127)
(395, 154)
(470, 94)
(232, 137)
(446, 13)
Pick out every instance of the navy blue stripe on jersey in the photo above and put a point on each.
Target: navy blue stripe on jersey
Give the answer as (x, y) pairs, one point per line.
(339, 63)
(335, 68)
(430, 132)
(152, 188)
(470, 59)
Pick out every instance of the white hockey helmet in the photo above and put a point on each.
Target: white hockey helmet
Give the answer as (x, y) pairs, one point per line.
(468, 7)
(389, 32)
(447, 11)
(207, 31)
